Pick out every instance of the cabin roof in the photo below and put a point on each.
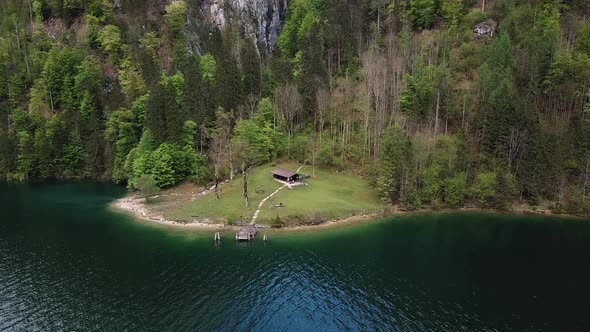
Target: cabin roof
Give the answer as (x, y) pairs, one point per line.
(283, 172)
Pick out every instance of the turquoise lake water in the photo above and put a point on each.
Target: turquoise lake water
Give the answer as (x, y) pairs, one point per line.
(68, 263)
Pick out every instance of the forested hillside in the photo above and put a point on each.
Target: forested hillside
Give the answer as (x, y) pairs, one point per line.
(437, 102)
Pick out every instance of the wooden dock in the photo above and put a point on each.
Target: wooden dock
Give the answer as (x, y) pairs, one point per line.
(247, 233)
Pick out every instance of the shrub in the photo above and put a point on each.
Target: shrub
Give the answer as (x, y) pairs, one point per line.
(276, 222)
(456, 190)
(485, 188)
(147, 186)
(168, 164)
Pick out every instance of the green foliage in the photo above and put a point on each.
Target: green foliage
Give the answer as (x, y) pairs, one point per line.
(278, 72)
(252, 142)
(457, 190)
(228, 81)
(110, 40)
(168, 164)
(583, 39)
(485, 188)
(251, 69)
(147, 186)
(394, 164)
(302, 15)
(165, 109)
(189, 131)
(433, 189)
(38, 10)
(92, 30)
(58, 77)
(89, 77)
(423, 13)
(297, 148)
(325, 155)
(417, 99)
(176, 16)
(131, 81)
(123, 132)
(67, 9)
(276, 222)
(208, 67)
(101, 9)
(452, 11)
(498, 92)
(311, 74)
(73, 158)
(81, 85)
(150, 42)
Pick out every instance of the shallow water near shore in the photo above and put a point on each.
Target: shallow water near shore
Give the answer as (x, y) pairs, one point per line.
(69, 263)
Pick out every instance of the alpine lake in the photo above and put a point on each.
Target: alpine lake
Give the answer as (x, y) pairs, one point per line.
(70, 263)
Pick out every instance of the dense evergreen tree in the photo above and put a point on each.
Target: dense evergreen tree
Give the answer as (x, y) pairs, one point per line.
(250, 61)
(401, 91)
(166, 110)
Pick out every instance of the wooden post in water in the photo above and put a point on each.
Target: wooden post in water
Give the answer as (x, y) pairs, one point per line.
(265, 238)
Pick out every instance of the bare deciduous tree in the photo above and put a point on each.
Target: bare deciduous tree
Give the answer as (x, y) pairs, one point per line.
(220, 149)
(376, 75)
(323, 104)
(516, 143)
(289, 105)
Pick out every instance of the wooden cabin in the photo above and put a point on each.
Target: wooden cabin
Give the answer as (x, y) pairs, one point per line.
(285, 175)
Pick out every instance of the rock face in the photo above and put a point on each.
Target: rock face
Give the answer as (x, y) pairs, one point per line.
(262, 19)
(485, 28)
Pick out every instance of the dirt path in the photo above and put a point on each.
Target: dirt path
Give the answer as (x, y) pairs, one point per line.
(262, 202)
(257, 212)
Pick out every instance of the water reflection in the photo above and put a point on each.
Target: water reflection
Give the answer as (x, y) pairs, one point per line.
(66, 263)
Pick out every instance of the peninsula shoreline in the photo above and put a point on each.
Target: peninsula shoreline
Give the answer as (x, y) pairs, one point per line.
(134, 207)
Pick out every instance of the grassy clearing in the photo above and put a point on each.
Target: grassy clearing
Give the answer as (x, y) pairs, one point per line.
(327, 196)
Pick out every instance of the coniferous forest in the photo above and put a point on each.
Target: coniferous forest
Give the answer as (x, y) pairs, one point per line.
(438, 103)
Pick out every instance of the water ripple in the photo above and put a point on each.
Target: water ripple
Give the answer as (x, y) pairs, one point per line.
(90, 270)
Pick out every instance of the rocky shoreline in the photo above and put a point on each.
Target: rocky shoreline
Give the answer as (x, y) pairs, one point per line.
(136, 207)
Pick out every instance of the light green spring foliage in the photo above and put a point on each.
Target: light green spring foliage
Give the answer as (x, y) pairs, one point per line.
(38, 10)
(485, 188)
(583, 39)
(208, 67)
(452, 11)
(110, 40)
(423, 13)
(417, 98)
(255, 140)
(303, 14)
(150, 42)
(67, 116)
(189, 131)
(101, 9)
(74, 157)
(131, 80)
(568, 72)
(123, 132)
(175, 17)
(395, 158)
(457, 190)
(147, 186)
